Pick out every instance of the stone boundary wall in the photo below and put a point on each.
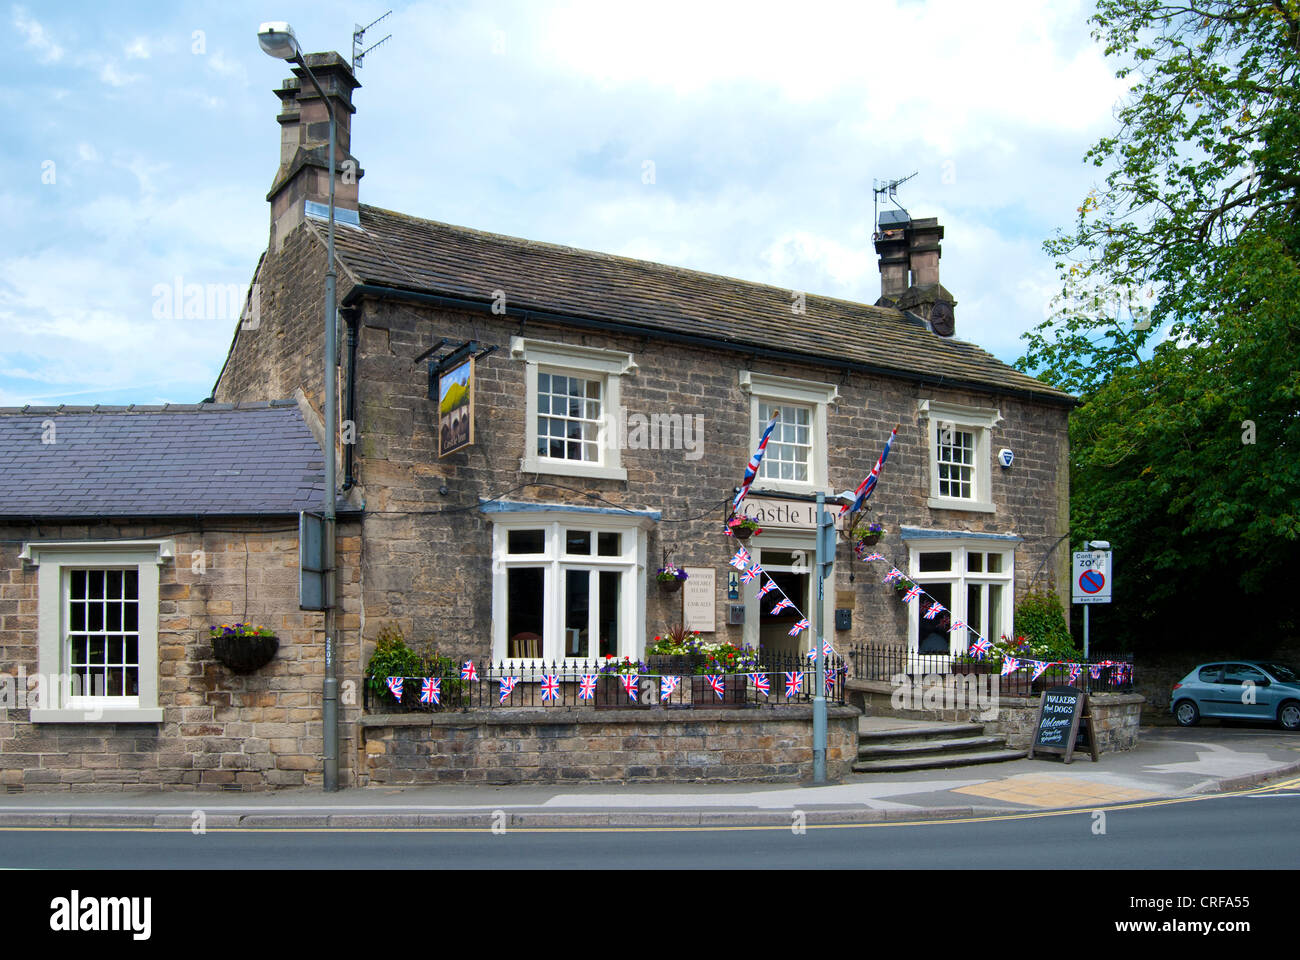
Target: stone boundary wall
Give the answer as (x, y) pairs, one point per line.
(555, 745)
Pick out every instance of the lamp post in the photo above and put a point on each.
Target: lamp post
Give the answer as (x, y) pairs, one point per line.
(277, 40)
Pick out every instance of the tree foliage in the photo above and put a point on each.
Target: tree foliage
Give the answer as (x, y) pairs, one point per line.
(1178, 322)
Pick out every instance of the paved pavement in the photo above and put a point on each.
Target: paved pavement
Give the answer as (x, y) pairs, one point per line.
(1168, 762)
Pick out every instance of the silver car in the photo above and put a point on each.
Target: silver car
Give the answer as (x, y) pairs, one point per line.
(1261, 690)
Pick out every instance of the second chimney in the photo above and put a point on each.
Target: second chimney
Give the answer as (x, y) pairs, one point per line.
(909, 271)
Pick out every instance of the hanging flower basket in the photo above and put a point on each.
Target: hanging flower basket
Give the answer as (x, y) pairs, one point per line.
(243, 647)
(670, 578)
(742, 528)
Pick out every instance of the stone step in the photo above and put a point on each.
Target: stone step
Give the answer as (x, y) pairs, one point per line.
(921, 731)
(936, 761)
(909, 748)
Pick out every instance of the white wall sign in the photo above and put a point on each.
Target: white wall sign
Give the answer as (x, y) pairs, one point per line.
(787, 514)
(700, 599)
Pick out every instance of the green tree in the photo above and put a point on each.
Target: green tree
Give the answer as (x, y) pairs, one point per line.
(1177, 323)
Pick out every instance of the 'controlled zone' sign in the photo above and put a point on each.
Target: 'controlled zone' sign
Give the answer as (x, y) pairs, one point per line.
(1091, 578)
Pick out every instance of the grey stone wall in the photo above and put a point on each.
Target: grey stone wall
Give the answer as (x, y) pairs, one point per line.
(560, 745)
(220, 730)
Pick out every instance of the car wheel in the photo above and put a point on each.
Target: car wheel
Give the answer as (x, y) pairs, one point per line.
(1186, 714)
(1288, 715)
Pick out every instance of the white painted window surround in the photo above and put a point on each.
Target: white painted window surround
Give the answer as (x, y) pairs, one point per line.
(55, 560)
(945, 419)
(586, 363)
(816, 397)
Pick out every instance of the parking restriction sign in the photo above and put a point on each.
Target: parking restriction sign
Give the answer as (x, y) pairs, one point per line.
(1091, 579)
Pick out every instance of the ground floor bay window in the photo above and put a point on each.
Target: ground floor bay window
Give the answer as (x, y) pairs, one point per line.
(568, 584)
(971, 575)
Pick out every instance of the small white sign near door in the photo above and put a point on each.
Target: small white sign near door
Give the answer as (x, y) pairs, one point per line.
(700, 599)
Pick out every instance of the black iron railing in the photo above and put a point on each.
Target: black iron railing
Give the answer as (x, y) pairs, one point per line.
(1100, 674)
(782, 680)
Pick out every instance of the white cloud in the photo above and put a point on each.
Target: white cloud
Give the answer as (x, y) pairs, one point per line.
(111, 75)
(35, 36)
(137, 49)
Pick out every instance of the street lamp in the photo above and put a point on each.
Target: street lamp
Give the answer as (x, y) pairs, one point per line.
(277, 39)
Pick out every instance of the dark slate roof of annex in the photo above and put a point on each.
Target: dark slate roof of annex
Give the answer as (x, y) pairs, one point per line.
(409, 253)
(210, 459)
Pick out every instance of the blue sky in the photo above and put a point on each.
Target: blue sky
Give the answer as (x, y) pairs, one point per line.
(141, 139)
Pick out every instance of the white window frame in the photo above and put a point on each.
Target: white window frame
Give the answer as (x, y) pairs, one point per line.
(774, 390)
(588, 363)
(979, 421)
(554, 561)
(960, 578)
(54, 560)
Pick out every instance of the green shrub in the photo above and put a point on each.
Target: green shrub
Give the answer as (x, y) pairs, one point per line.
(1041, 621)
(393, 658)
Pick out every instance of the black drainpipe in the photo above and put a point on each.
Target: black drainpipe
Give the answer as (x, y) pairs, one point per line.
(351, 316)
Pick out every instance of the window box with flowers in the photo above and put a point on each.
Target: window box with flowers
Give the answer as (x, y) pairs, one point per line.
(243, 647)
(622, 684)
(730, 665)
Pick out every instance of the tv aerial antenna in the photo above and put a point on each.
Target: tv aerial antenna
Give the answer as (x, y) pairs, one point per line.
(359, 48)
(889, 190)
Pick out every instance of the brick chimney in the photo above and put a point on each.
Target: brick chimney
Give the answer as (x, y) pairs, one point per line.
(912, 247)
(301, 186)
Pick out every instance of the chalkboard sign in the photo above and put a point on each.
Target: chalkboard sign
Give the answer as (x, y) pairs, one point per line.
(1059, 711)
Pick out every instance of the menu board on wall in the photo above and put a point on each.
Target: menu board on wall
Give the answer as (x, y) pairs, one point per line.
(699, 599)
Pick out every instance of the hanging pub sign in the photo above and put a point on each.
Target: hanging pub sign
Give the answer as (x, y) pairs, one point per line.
(456, 407)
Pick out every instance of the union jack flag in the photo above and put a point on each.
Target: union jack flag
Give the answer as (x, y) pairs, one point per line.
(793, 684)
(812, 654)
(751, 468)
(830, 679)
(781, 605)
(550, 686)
(587, 686)
(935, 609)
(395, 686)
(872, 558)
(507, 687)
(741, 559)
(630, 685)
(1038, 667)
(799, 627)
(752, 574)
(667, 685)
(716, 682)
(912, 594)
(959, 625)
(467, 672)
(868, 484)
(893, 574)
(431, 690)
(1094, 671)
(1075, 671)
(980, 647)
(761, 683)
(827, 648)
(1010, 665)
(767, 588)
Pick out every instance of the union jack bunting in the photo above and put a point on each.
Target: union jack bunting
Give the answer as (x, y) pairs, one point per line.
(893, 574)
(868, 484)
(431, 690)
(1010, 665)
(873, 557)
(507, 687)
(912, 594)
(467, 672)
(587, 686)
(1038, 667)
(667, 685)
(827, 648)
(395, 686)
(751, 468)
(799, 627)
(812, 654)
(717, 683)
(1094, 671)
(980, 647)
(793, 684)
(959, 625)
(1075, 670)
(781, 605)
(550, 686)
(752, 574)
(761, 683)
(830, 679)
(630, 685)
(741, 559)
(767, 588)
(935, 610)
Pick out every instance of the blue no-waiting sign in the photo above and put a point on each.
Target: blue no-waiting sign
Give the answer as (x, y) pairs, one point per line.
(1090, 581)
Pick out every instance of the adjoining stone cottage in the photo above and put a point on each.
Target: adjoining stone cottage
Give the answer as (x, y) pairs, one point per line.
(615, 403)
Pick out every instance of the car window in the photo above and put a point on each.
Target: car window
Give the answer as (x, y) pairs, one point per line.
(1210, 673)
(1282, 672)
(1241, 672)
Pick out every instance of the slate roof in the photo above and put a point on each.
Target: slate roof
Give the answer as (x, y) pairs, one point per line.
(213, 459)
(395, 250)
